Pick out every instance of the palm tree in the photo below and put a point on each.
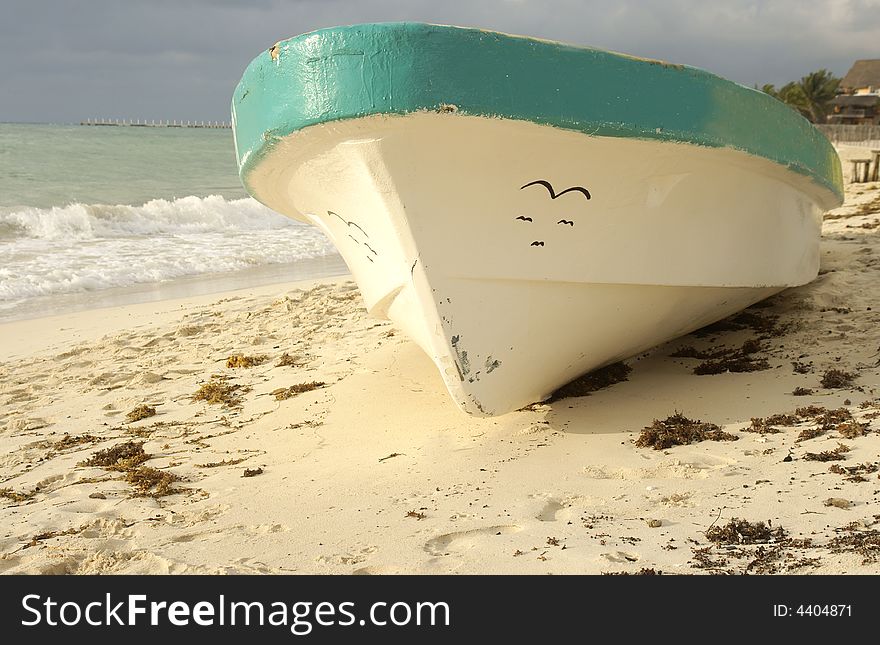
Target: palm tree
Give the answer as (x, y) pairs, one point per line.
(817, 90)
(809, 96)
(792, 94)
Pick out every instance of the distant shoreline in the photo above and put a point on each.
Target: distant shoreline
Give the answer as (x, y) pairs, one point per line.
(129, 122)
(153, 123)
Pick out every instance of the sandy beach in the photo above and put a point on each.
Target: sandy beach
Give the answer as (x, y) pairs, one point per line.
(283, 430)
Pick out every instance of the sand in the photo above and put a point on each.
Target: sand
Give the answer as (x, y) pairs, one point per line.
(376, 470)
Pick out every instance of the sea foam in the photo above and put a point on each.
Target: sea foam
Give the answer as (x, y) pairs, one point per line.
(156, 217)
(88, 247)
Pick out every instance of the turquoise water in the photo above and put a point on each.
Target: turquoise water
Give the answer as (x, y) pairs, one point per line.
(54, 165)
(92, 213)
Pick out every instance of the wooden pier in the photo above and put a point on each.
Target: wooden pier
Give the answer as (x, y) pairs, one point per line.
(157, 123)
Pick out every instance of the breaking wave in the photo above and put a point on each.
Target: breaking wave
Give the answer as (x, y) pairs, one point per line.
(88, 247)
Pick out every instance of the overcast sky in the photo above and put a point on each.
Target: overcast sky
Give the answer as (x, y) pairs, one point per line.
(66, 60)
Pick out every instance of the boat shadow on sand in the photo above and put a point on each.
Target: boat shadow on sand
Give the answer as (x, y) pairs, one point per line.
(749, 365)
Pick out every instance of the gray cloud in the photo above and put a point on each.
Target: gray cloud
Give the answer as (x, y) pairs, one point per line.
(64, 61)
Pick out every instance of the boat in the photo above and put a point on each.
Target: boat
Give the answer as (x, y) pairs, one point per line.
(527, 211)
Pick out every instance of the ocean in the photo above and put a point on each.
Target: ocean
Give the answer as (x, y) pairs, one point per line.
(95, 216)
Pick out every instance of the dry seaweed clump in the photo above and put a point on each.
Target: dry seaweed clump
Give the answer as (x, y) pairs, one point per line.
(827, 420)
(828, 455)
(852, 429)
(738, 531)
(835, 378)
(864, 542)
(225, 462)
(855, 473)
(644, 571)
(765, 324)
(769, 425)
(141, 412)
(752, 547)
(240, 360)
(287, 392)
(810, 433)
(869, 208)
(810, 411)
(69, 441)
(725, 359)
(678, 430)
(595, 380)
(8, 493)
(737, 360)
(122, 456)
(801, 391)
(48, 535)
(287, 360)
(217, 390)
(150, 482)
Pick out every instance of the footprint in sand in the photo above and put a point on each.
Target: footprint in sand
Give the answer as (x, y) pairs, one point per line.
(621, 556)
(379, 570)
(355, 556)
(249, 565)
(8, 561)
(686, 466)
(465, 540)
(106, 528)
(188, 330)
(25, 425)
(19, 396)
(220, 534)
(554, 511)
(147, 378)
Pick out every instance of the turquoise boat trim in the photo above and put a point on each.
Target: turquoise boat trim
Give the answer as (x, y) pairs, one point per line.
(400, 68)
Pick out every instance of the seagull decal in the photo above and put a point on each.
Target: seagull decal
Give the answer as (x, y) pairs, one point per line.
(347, 223)
(553, 193)
(351, 226)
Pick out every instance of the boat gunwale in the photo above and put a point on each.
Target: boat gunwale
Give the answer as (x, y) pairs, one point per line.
(402, 68)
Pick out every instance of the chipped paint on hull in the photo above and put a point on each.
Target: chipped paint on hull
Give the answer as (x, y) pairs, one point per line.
(464, 365)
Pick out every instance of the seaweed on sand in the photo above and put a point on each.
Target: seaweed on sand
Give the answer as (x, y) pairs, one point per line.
(764, 323)
(593, 381)
(287, 392)
(678, 430)
(770, 425)
(726, 359)
(828, 455)
(241, 360)
(141, 412)
(864, 542)
(834, 378)
(10, 494)
(287, 360)
(219, 391)
(738, 531)
(855, 473)
(151, 482)
(122, 456)
(69, 441)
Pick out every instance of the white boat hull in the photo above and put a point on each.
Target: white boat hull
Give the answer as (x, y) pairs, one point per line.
(519, 256)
